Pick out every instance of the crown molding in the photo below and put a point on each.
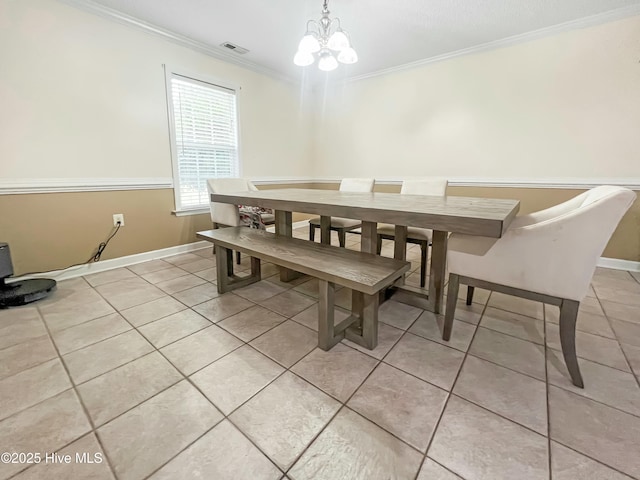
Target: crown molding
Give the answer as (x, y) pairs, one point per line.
(20, 186)
(217, 52)
(182, 40)
(584, 22)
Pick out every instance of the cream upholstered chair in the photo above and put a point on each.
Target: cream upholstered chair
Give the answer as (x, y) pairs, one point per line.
(547, 256)
(226, 214)
(343, 225)
(419, 236)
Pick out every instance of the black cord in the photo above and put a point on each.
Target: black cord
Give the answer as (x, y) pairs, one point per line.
(102, 246)
(93, 258)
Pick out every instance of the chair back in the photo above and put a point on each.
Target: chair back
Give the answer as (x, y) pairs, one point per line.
(595, 220)
(226, 213)
(553, 251)
(357, 185)
(425, 186)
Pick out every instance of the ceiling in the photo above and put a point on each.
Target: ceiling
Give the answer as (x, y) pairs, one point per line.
(385, 34)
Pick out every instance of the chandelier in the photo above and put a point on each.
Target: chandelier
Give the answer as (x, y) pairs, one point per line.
(324, 38)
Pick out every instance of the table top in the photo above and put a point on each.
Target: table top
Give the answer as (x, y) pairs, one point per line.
(474, 216)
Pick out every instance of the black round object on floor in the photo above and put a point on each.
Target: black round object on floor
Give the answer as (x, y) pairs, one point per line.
(25, 291)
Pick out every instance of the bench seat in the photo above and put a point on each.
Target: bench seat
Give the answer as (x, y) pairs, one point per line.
(364, 273)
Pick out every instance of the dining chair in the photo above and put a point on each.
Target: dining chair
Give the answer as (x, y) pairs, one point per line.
(227, 215)
(343, 225)
(415, 235)
(548, 256)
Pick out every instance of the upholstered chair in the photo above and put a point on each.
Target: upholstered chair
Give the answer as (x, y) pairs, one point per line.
(344, 225)
(419, 236)
(548, 256)
(226, 214)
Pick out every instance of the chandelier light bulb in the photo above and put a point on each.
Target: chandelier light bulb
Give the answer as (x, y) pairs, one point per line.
(320, 38)
(303, 59)
(348, 56)
(327, 61)
(309, 44)
(338, 41)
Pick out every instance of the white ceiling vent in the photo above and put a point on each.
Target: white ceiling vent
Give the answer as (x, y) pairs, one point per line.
(234, 48)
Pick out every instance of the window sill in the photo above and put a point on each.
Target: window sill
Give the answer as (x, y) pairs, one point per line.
(193, 211)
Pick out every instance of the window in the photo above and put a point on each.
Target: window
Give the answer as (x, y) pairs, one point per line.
(204, 139)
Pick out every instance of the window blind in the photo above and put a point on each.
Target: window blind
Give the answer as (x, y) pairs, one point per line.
(206, 139)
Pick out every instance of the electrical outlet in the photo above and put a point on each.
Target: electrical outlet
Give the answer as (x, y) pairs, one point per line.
(118, 217)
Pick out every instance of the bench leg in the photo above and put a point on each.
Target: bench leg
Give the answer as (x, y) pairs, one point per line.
(370, 321)
(327, 337)
(227, 281)
(364, 310)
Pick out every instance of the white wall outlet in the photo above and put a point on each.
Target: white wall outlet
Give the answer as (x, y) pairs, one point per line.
(118, 218)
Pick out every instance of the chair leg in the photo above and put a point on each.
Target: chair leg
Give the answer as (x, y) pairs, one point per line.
(470, 291)
(452, 297)
(423, 264)
(312, 232)
(342, 237)
(238, 259)
(568, 317)
(379, 244)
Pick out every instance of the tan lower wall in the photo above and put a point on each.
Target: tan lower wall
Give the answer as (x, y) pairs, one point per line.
(51, 231)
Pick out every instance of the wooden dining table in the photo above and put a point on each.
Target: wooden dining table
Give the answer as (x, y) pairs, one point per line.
(442, 214)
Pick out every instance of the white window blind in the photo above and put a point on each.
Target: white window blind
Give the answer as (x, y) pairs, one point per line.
(205, 136)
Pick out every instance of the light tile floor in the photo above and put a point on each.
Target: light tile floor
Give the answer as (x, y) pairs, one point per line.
(150, 370)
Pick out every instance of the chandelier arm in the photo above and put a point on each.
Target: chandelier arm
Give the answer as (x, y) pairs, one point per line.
(315, 24)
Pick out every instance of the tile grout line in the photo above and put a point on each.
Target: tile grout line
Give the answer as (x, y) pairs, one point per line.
(546, 389)
(624, 354)
(343, 404)
(79, 399)
(186, 377)
(450, 392)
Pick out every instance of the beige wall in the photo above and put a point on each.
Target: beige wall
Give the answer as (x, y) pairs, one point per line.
(565, 107)
(84, 97)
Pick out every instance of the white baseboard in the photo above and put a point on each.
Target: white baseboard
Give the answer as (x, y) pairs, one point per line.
(119, 262)
(618, 264)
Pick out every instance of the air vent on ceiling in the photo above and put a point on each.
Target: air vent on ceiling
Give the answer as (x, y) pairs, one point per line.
(234, 48)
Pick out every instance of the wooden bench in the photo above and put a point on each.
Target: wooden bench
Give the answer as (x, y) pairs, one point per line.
(366, 274)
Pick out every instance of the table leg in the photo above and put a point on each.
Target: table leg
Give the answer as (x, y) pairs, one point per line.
(369, 237)
(400, 247)
(438, 269)
(284, 227)
(325, 230)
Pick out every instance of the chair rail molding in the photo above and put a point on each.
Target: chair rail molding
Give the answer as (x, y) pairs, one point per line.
(19, 186)
(578, 183)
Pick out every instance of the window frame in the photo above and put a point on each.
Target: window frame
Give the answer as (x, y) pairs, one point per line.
(169, 73)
